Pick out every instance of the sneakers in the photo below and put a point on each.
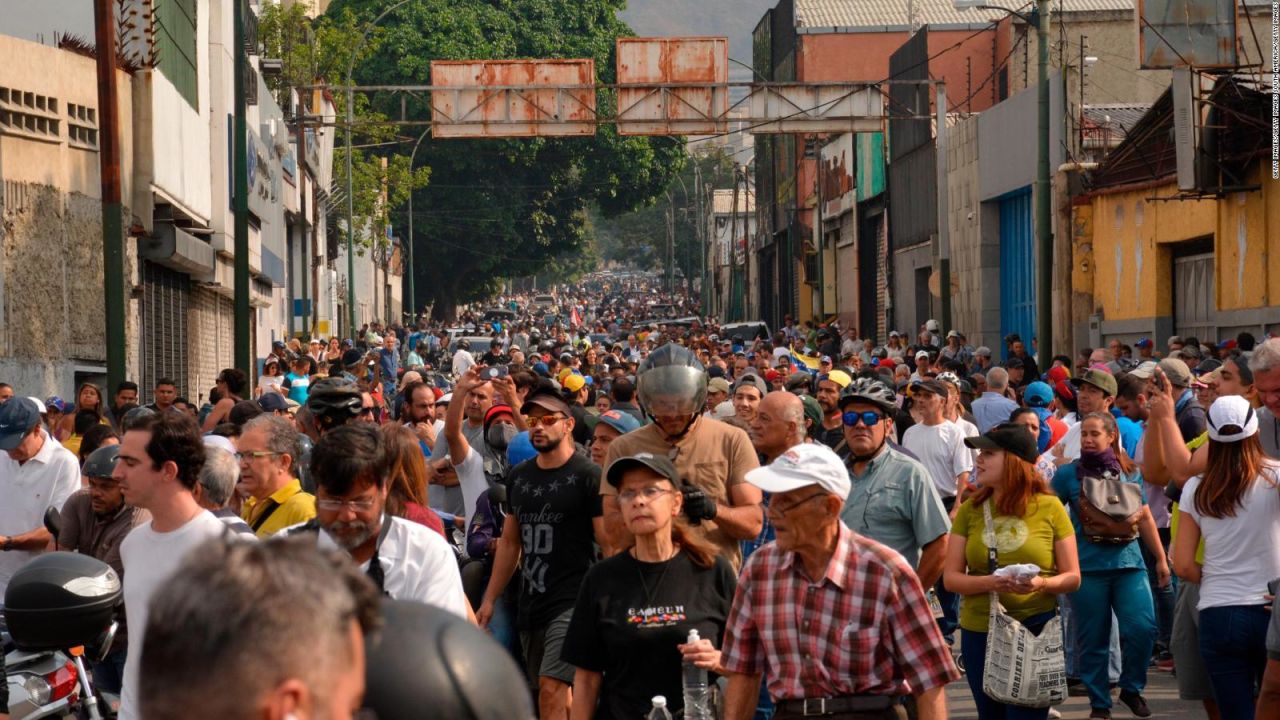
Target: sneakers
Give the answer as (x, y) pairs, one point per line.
(1054, 713)
(1137, 704)
(1100, 714)
(1076, 688)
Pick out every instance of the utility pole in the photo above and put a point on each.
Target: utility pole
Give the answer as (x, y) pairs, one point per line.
(671, 243)
(112, 211)
(413, 296)
(1044, 233)
(733, 245)
(944, 211)
(240, 171)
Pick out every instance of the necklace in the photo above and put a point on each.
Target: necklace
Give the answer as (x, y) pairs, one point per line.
(648, 594)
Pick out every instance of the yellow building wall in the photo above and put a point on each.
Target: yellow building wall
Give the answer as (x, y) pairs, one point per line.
(1242, 248)
(1132, 260)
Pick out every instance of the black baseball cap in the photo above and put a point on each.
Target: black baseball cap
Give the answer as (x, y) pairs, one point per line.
(17, 418)
(547, 400)
(657, 463)
(1014, 438)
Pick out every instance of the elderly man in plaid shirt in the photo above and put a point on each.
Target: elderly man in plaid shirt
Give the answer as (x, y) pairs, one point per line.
(839, 623)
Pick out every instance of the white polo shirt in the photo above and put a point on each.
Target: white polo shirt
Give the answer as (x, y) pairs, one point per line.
(417, 565)
(27, 490)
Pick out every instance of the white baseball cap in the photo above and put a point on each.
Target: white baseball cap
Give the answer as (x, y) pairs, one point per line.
(803, 465)
(1232, 419)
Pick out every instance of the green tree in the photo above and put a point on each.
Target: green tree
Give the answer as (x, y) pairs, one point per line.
(508, 207)
(313, 51)
(640, 238)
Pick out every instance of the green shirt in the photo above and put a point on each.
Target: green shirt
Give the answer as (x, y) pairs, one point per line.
(895, 503)
(1027, 539)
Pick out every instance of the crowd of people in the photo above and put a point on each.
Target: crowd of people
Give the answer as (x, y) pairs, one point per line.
(833, 516)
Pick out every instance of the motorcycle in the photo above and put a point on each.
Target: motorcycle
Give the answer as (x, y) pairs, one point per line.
(59, 609)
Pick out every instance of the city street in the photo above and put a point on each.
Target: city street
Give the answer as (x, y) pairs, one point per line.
(1161, 694)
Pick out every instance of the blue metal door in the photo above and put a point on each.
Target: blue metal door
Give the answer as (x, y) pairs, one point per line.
(1017, 267)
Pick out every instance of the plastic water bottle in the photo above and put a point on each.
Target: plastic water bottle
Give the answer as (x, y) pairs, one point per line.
(696, 706)
(659, 711)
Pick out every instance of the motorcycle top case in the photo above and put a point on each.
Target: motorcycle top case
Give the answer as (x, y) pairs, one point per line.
(61, 600)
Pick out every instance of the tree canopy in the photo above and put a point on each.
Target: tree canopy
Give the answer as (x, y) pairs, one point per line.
(507, 207)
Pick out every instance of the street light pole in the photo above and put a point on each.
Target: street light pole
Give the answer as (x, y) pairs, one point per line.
(243, 345)
(413, 298)
(1044, 233)
(351, 226)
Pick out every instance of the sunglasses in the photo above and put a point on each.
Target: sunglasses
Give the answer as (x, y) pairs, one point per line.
(543, 420)
(870, 418)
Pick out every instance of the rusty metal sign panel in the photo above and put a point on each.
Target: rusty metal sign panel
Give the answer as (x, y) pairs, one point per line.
(505, 98)
(1186, 33)
(673, 86)
(816, 108)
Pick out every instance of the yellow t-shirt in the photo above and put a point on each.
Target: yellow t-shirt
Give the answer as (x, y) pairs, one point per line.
(1173, 511)
(1026, 539)
(293, 506)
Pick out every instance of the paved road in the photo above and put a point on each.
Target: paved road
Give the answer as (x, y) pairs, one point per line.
(1162, 696)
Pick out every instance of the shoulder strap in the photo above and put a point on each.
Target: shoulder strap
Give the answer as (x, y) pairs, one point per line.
(989, 536)
(375, 571)
(268, 508)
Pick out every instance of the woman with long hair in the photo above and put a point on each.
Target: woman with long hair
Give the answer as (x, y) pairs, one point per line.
(88, 397)
(628, 634)
(1030, 526)
(271, 377)
(96, 437)
(334, 352)
(1113, 572)
(407, 491)
(1235, 507)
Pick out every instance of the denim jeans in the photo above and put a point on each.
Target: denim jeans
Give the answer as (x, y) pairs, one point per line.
(1071, 646)
(1127, 594)
(1164, 596)
(108, 675)
(1233, 645)
(973, 648)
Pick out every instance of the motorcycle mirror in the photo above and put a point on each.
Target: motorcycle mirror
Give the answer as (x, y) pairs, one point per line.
(53, 522)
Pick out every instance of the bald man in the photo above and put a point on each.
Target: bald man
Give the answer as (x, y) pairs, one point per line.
(778, 425)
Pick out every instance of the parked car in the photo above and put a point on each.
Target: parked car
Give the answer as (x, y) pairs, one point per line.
(749, 330)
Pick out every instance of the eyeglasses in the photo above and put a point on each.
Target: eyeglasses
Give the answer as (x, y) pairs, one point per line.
(782, 511)
(362, 505)
(650, 493)
(366, 410)
(870, 418)
(543, 420)
(255, 454)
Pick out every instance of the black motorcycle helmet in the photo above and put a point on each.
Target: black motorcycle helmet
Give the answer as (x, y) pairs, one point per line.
(427, 662)
(101, 463)
(334, 402)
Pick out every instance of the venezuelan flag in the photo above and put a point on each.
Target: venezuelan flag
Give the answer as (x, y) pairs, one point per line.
(807, 364)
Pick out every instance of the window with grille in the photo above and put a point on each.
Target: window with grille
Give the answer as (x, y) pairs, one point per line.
(175, 45)
(23, 112)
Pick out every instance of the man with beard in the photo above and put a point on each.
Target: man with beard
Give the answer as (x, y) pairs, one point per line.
(829, 388)
(94, 523)
(351, 466)
(419, 413)
(549, 533)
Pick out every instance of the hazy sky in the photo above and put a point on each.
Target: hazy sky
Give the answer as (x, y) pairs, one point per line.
(30, 19)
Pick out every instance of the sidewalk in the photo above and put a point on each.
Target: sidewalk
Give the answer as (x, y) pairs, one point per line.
(1161, 694)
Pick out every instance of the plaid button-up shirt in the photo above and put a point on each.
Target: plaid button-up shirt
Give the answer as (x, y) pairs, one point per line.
(864, 628)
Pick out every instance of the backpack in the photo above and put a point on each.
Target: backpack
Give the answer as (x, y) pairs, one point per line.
(1109, 509)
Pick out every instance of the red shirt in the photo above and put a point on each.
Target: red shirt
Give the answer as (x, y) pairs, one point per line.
(413, 512)
(864, 628)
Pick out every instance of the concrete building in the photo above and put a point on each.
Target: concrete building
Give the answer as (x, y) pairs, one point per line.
(729, 262)
(175, 123)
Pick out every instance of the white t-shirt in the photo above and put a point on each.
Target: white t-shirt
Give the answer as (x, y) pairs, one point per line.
(942, 451)
(150, 558)
(968, 430)
(1070, 443)
(1241, 553)
(471, 480)
(27, 491)
(462, 362)
(417, 565)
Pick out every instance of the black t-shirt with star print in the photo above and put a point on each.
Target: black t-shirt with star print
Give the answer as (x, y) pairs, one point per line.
(555, 509)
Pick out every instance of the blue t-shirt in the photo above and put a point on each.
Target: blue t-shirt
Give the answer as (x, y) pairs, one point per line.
(1130, 433)
(389, 361)
(1096, 557)
(298, 386)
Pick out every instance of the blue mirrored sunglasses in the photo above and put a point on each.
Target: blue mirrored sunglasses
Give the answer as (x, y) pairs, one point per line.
(870, 418)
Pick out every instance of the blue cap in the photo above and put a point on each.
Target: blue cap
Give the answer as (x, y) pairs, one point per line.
(17, 417)
(272, 402)
(56, 403)
(1038, 395)
(520, 449)
(620, 421)
(541, 369)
